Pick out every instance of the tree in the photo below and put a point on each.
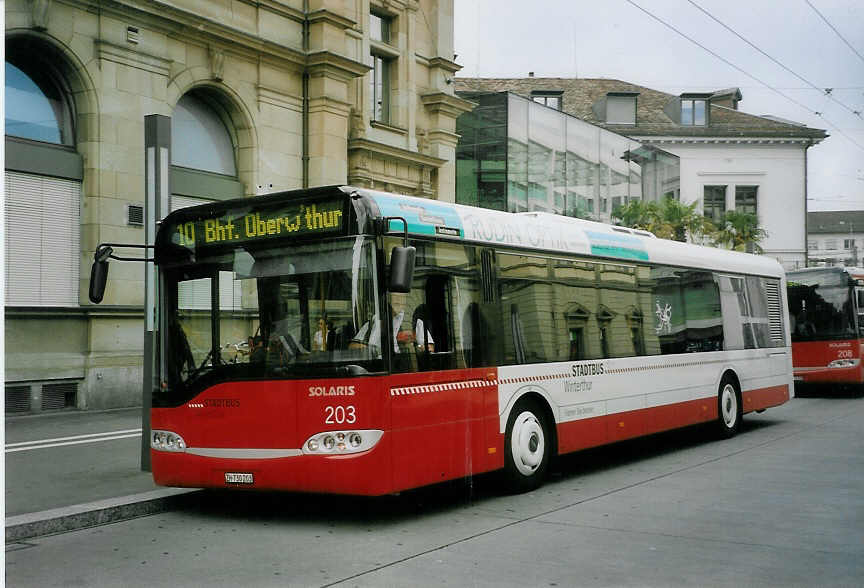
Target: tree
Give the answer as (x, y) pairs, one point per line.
(637, 214)
(740, 231)
(670, 219)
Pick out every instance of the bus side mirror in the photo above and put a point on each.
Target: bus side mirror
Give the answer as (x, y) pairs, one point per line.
(99, 274)
(401, 269)
(98, 278)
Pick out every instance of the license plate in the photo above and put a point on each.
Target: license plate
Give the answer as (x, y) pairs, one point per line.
(797, 378)
(238, 478)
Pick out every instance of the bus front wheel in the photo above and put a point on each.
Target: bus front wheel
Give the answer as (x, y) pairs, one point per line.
(729, 407)
(528, 447)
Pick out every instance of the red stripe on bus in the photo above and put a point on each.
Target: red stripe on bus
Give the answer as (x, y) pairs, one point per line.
(429, 437)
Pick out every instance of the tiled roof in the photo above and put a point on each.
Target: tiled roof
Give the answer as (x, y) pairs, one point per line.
(830, 222)
(580, 95)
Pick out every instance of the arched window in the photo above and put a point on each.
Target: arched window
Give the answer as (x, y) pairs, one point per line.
(199, 138)
(203, 169)
(35, 106)
(42, 184)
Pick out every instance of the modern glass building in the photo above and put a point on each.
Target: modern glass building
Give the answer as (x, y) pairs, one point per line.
(519, 155)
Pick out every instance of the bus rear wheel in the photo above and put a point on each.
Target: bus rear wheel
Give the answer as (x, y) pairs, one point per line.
(729, 409)
(528, 447)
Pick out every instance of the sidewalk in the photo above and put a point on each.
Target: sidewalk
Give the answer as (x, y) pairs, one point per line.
(72, 470)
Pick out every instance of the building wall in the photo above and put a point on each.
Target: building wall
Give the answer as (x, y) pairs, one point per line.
(779, 172)
(121, 61)
(830, 249)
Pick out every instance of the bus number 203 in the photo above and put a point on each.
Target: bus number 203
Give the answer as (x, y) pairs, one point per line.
(337, 415)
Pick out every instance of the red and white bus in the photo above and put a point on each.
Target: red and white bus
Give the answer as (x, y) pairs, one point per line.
(351, 341)
(826, 310)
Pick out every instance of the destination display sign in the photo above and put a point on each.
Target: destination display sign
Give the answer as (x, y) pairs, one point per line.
(258, 224)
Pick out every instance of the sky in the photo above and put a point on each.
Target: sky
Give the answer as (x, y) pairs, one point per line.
(807, 46)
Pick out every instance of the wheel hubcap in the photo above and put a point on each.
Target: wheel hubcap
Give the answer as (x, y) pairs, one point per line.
(527, 443)
(729, 405)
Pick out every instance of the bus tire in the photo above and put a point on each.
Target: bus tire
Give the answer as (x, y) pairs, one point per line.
(527, 447)
(729, 408)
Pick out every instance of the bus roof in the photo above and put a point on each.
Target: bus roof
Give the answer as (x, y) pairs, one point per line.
(553, 233)
(538, 231)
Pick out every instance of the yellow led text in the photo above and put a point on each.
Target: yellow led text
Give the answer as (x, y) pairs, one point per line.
(253, 226)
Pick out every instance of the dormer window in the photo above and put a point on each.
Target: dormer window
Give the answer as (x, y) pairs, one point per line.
(550, 98)
(621, 108)
(694, 111)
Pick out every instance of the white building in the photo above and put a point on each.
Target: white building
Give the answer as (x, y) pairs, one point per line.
(835, 238)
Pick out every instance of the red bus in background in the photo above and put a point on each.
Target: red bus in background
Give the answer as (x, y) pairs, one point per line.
(826, 312)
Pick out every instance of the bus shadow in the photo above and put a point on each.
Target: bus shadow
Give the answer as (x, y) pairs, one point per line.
(829, 391)
(292, 508)
(354, 511)
(625, 453)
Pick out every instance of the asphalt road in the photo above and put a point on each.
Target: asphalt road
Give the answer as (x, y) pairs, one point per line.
(781, 504)
(67, 458)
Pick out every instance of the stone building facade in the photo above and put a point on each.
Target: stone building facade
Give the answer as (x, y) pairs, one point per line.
(264, 96)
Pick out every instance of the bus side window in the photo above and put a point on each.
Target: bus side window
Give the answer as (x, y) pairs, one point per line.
(437, 313)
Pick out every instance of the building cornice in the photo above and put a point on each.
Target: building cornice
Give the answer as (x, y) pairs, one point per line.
(328, 17)
(335, 65)
(443, 64)
(668, 140)
(391, 6)
(395, 153)
(440, 102)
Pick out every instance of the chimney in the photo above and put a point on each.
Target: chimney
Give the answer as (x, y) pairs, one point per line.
(530, 74)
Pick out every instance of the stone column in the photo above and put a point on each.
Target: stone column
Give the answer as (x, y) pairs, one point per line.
(329, 110)
(442, 110)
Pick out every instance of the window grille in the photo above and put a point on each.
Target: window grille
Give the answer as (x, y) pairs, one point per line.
(59, 396)
(135, 215)
(17, 399)
(775, 312)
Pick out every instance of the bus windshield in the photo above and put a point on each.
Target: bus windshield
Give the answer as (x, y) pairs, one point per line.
(821, 306)
(291, 311)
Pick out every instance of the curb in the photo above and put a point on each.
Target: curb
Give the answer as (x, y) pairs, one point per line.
(93, 514)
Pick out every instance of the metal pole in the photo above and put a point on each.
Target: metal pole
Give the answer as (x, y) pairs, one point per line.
(157, 164)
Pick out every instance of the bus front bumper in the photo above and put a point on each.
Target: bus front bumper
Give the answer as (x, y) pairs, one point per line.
(365, 474)
(848, 372)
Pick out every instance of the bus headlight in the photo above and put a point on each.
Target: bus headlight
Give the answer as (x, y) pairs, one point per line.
(341, 442)
(843, 363)
(167, 441)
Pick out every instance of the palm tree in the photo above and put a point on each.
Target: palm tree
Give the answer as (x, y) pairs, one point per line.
(670, 219)
(682, 220)
(637, 214)
(740, 231)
